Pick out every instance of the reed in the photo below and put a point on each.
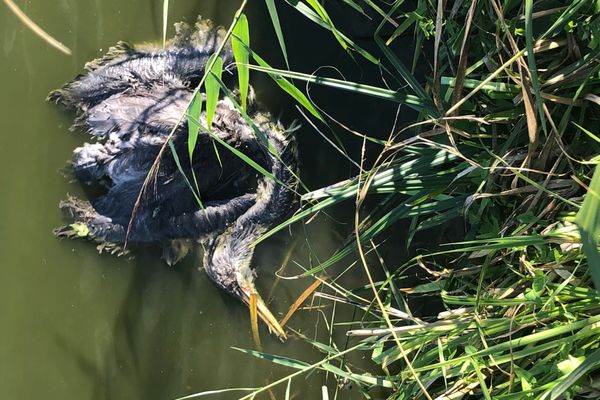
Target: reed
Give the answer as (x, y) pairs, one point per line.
(506, 142)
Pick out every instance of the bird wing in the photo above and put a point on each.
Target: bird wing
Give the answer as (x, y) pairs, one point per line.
(154, 110)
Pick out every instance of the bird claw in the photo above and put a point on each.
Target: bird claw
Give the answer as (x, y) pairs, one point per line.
(82, 231)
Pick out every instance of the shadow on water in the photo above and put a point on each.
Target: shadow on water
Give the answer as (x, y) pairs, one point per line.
(76, 324)
(160, 307)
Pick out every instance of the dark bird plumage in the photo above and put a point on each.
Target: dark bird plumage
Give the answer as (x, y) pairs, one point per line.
(130, 101)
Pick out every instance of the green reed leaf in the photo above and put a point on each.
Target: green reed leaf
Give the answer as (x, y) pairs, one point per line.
(277, 26)
(194, 111)
(240, 44)
(213, 90)
(588, 221)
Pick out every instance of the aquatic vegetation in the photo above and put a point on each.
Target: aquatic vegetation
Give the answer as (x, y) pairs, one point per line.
(229, 177)
(504, 148)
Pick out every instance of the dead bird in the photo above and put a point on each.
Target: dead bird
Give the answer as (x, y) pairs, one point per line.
(130, 100)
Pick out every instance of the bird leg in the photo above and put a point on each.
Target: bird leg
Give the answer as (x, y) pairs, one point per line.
(86, 224)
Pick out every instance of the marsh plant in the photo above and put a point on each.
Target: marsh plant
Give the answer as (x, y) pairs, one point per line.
(505, 145)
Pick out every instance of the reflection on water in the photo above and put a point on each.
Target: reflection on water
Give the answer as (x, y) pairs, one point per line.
(75, 324)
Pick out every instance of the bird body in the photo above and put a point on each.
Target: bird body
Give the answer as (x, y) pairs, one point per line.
(130, 101)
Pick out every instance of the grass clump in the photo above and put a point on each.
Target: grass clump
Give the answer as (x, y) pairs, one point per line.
(506, 144)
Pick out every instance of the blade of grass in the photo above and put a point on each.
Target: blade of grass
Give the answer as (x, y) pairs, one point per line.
(289, 88)
(322, 13)
(194, 111)
(240, 45)
(288, 389)
(180, 168)
(590, 363)
(588, 221)
(490, 78)
(35, 28)
(358, 88)
(277, 26)
(213, 392)
(213, 90)
(313, 16)
(301, 299)
(535, 83)
(165, 21)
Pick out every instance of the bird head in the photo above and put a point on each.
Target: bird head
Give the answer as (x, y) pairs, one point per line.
(227, 263)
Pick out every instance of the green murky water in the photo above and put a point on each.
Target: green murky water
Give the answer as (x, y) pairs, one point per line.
(78, 325)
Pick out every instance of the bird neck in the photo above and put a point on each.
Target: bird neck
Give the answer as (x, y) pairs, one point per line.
(229, 254)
